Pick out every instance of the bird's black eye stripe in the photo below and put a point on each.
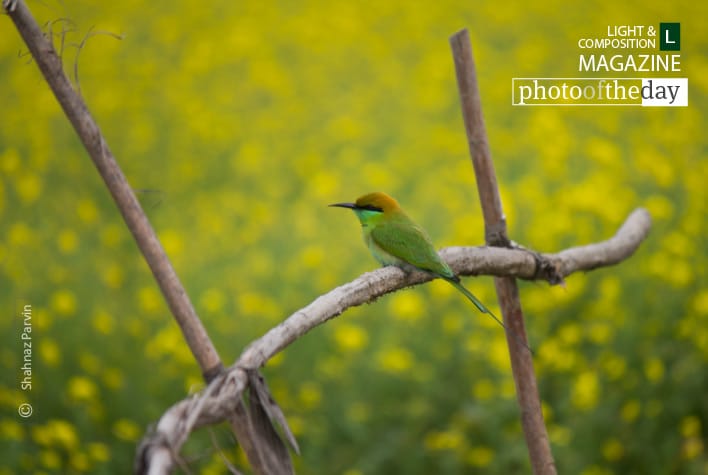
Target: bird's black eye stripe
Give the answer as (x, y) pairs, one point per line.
(371, 208)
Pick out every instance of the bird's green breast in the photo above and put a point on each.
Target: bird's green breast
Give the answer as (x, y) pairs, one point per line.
(396, 240)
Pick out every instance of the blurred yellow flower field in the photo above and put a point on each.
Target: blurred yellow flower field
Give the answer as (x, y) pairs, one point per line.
(237, 123)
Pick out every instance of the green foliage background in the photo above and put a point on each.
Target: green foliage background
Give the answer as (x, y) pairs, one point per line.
(248, 118)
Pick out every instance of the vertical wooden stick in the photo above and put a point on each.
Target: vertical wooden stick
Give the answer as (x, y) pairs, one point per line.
(496, 235)
(88, 131)
(176, 296)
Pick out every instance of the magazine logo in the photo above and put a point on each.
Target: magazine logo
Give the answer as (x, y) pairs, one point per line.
(646, 92)
(670, 36)
(623, 41)
(644, 49)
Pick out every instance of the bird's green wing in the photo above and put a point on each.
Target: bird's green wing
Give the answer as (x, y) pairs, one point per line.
(410, 243)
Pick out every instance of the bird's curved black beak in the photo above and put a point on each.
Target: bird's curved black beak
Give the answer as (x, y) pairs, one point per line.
(343, 205)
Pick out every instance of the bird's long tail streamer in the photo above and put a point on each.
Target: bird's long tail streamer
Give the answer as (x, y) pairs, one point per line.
(482, 308)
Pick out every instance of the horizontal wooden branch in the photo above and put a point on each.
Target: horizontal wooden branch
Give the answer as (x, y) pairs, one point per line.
(218, 400)
(553, 268)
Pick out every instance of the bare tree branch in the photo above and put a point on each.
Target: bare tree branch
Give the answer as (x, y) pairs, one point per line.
(527, 396)
(195, 334)
(88, 131)
(216, 401)
(528, 265)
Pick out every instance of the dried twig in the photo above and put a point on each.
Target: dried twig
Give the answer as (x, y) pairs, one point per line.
(80, 47)
(88, 131)
(495, 233)
(194, 333)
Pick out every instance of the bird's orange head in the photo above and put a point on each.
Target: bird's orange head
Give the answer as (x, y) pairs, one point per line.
(377, 202)
(372, 208)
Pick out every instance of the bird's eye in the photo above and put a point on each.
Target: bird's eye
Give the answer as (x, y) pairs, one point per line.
(371, 208)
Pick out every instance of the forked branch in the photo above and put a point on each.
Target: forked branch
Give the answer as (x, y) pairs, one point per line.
(216, 401)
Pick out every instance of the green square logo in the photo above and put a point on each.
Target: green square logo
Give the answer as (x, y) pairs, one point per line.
(670, 36)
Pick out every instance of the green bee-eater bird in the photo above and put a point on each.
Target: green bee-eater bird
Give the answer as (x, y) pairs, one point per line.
(394, 239)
